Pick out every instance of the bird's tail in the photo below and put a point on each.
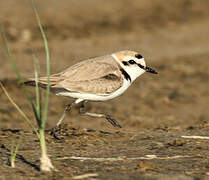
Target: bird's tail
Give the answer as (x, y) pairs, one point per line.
(33, 83)
(42, 81)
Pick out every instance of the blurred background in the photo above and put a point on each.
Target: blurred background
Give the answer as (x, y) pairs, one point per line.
(171, 35)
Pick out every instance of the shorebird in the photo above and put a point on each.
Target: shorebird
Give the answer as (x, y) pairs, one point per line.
(97, 79)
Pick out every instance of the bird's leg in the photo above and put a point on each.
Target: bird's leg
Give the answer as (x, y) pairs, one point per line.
(106, 116)
(67, 109)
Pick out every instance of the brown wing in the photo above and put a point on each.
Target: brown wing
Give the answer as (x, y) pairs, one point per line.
(90, 69)
(98, 76)
(102, 85)
(95, 76)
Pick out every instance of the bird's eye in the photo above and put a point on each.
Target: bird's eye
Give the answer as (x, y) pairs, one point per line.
(139, 56)
(131, 61)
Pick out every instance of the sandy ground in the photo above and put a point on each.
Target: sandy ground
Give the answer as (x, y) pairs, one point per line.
(156, 112)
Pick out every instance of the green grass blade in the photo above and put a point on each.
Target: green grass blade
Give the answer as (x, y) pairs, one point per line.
(16, 70)
(12, 148)
(8, 53)
(14, 151)
(12, 156)
(18, 145)
(44, 117)
(38, 106)
(18, 108)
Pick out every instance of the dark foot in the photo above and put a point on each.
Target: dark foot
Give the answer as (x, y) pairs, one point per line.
(112, 121)
(53, 132)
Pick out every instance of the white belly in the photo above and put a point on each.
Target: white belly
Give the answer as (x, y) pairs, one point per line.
(96, 97)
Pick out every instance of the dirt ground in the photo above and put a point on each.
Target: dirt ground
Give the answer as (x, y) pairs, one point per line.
(159, 114)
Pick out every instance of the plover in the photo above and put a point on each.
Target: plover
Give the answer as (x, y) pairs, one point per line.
(97, 79)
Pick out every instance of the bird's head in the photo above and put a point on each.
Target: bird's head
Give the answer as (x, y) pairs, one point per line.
(133, 63)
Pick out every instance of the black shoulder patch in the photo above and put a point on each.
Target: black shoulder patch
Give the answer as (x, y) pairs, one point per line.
(125, 74)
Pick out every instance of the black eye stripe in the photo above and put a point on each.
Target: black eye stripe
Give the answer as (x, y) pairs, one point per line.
(132, 61)
(139, 56)
(125, 63)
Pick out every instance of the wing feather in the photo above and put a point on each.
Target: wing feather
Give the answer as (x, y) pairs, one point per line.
(99, 86)
(90, 69)
(99, 75)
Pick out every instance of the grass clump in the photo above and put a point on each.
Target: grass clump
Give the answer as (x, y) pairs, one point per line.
(39, 112)
(14, 151)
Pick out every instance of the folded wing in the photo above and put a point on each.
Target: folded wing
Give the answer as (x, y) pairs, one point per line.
(95, 76)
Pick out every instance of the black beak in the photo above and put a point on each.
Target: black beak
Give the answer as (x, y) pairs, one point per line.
(148, 69)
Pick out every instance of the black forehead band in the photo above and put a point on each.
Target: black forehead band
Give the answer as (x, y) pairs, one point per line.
(139, 56)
